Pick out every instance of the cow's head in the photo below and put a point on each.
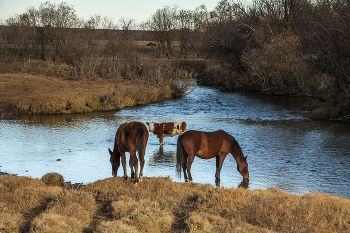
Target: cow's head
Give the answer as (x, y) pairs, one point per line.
(151, 126)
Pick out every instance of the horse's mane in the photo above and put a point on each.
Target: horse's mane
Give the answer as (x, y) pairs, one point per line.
(236, 145)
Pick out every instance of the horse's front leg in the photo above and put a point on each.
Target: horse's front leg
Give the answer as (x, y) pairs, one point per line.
(115, 164)
(218, 169)
(134, 161)
(122, 154)
(131, 168)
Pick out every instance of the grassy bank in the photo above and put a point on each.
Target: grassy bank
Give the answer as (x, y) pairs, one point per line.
(38, 94)
(160, 205)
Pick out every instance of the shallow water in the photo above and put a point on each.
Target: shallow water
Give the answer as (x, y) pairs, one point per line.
(284, 148)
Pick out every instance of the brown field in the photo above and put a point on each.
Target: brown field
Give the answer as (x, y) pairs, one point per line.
(38, 94)
(160, 205)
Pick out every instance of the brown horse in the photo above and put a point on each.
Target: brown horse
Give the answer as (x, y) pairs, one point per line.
(130, 137)
(207, 145)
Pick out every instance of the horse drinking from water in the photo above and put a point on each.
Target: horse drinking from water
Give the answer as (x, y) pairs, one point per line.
(130, 137)
(207, 145)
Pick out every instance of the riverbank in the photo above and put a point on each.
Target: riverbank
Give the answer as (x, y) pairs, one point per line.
(22, 93)
(161, 205)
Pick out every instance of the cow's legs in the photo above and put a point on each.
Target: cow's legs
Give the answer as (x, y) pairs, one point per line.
(161, 139)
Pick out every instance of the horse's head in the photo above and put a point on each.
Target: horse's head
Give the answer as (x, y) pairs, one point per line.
(115, 161)
(242, 167)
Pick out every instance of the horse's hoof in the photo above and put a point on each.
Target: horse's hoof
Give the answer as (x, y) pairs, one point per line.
(140, 179)
(125, 177)
(186, 180)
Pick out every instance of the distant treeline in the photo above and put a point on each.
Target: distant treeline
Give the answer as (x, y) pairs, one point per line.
(297, 47)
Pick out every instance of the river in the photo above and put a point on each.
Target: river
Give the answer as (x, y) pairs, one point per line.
(284, 148)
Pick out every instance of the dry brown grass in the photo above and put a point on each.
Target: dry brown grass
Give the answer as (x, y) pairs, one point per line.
(53, 179)
(37, 94)
(160, 205)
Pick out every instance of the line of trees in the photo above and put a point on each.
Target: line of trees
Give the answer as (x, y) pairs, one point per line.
(54, 33)
(299, 47)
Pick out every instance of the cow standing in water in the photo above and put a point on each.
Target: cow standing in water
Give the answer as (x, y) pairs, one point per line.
(166, 129)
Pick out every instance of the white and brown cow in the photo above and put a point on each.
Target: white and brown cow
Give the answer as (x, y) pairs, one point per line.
(166, 129)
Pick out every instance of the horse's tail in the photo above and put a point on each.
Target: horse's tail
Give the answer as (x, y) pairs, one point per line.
(140, 141)
(179, 154)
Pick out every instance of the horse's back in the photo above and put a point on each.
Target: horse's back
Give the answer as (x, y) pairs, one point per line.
(206, 144)
(134, 126)
(219, 135)
(127, 134)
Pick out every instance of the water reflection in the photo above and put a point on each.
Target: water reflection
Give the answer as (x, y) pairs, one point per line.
(161, 158)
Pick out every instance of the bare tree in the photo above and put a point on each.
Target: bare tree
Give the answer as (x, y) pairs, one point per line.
(162, 24)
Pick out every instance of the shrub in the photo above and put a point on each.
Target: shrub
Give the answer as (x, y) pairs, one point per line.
(281, 65)
(53, 179)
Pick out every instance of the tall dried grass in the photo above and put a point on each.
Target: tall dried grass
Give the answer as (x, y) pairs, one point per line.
(160, 205)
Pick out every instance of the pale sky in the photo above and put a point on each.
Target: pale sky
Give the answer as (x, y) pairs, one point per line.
(140, 10)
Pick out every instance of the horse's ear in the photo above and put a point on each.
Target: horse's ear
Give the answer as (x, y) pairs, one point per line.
(110, 152)
(246, 157)
(147, 123)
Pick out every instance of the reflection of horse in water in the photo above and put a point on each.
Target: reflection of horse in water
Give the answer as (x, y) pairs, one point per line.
(207, 145)
(130, 137)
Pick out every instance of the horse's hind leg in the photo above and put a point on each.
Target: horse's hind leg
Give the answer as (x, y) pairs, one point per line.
(142, 164)
(135, 161)
(189, 164)
(184, 167)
